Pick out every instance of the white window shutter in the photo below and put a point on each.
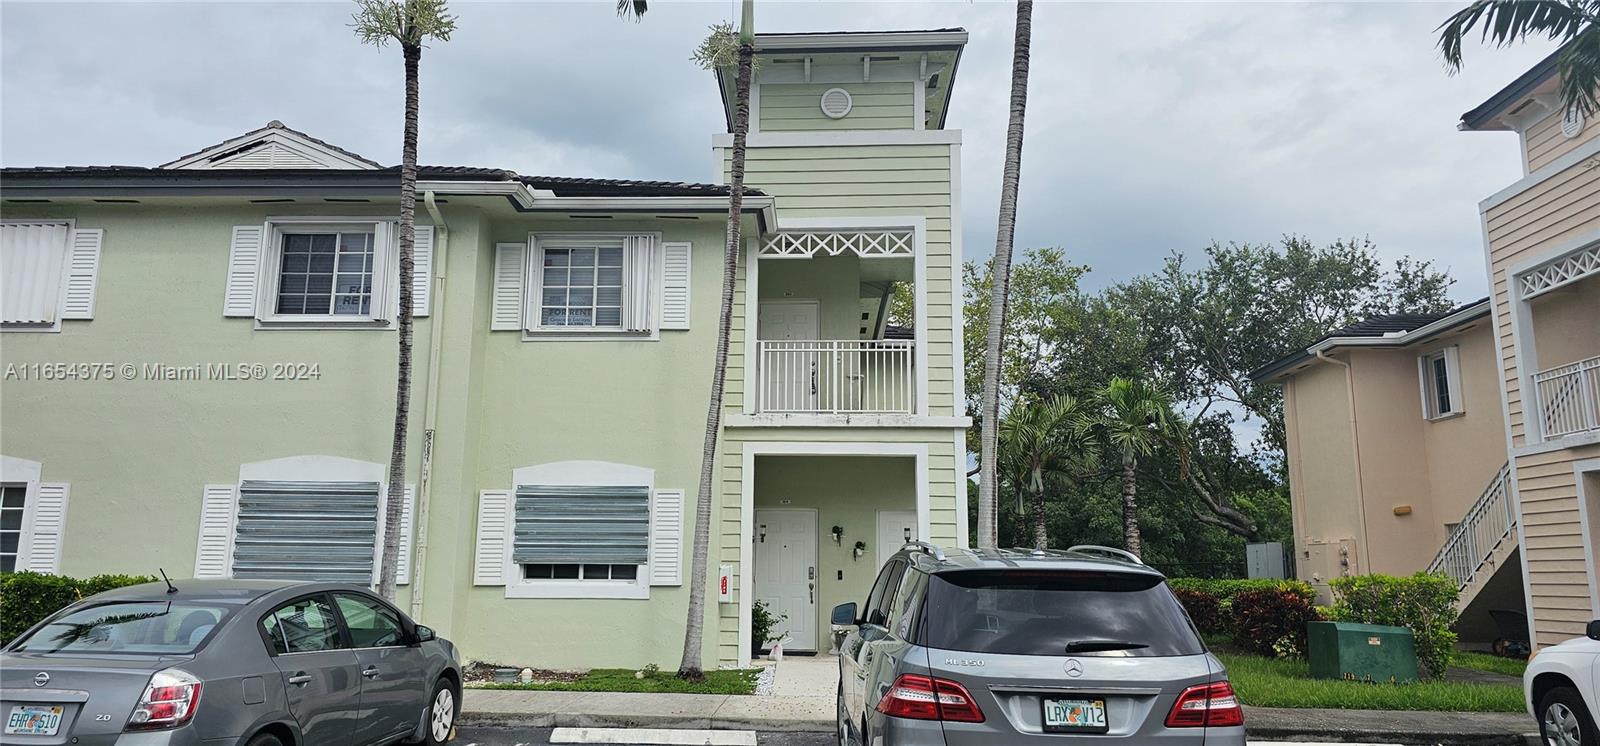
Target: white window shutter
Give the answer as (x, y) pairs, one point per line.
(422, 271)
(213, 557)
(1452, 364)
(49, 521)
(244, 261)
(509, 274)
(675, 285)
(83, 265)
(31, 255)
(666, 538)
(494, 521)
(402, 566)
(639, 286)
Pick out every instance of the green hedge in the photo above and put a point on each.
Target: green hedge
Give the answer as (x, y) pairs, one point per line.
(1225, 590)
(27, 597)
(1422, 603)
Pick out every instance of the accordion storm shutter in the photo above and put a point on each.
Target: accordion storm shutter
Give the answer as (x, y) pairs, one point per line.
(569, 524)
(278, 522)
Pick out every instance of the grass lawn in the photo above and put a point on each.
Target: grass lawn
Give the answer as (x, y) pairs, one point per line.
(1267, 682)
(740, 681)
(1489, 663)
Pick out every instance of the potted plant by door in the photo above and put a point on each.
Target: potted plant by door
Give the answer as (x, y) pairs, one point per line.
(762, 622)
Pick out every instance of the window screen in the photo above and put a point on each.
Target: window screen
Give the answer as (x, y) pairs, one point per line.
(326, 274)
(581, 287)
(306, 531)
(565, 526)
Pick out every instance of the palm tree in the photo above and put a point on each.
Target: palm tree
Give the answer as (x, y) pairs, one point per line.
(715, 53)
(409, 22)
(1576, 23)
(989, 416)
(1044, 437)
(1134, 419)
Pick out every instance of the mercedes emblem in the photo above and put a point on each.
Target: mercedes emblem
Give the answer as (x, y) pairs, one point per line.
(1074, 668)
(41, 678)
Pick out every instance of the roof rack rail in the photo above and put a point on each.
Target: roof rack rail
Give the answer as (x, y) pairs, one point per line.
(1121, 554)
(938, 554)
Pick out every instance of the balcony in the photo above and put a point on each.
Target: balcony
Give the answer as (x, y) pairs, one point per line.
(1568, 398)
(836, 376)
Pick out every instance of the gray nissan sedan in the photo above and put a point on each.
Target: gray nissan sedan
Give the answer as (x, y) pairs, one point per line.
(229, 663)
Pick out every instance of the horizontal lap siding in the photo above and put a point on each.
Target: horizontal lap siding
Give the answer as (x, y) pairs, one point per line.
(1545, 142)
(1554, 543)
(797, 107)
(1521, 229)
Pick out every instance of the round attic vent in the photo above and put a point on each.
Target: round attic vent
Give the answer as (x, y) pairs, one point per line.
(1571, 124)
(836, 103)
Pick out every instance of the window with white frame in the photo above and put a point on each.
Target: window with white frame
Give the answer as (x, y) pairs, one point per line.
(581, 533)
(581, 286)
(48, 271)
(1440, 374)
(327, 272)
(13, 506)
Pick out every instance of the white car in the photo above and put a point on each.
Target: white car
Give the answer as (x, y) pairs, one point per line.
(1562, 687)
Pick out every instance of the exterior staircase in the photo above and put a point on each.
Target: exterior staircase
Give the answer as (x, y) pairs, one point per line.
(1482, 542)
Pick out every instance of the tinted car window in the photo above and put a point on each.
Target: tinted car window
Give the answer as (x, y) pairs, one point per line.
(303, 626)
(907, 609)
(1055, 612)
(371, 624)
(883, 593)
(135, 627)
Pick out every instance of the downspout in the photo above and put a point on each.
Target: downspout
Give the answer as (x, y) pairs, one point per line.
(1355, 450)
(430, 417)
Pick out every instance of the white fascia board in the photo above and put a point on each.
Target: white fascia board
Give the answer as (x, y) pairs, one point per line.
(778, 42)
(848, 137)
(1404, 338)
(1572, 158)
(516, 190)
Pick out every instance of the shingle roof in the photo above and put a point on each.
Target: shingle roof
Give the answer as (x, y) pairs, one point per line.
(951, 30)
(1376, 327)
(562, 186)
(1514, 91)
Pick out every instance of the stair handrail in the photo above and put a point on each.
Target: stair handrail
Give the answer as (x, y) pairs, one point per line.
(1459, 557)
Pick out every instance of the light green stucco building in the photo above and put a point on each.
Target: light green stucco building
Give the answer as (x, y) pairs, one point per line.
(199, 362)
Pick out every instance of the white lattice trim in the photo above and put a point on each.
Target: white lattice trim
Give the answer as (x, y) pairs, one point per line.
(1563, 271)
(806, 244)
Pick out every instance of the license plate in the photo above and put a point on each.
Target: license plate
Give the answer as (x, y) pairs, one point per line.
(1075, 715)
(33, 720)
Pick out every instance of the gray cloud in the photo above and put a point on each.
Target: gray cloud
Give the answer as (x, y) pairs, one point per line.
(1151, 127)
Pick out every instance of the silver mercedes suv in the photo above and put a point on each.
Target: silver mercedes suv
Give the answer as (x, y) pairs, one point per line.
(983, 647)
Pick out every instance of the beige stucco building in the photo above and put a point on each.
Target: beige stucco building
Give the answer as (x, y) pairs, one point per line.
(1469, 441)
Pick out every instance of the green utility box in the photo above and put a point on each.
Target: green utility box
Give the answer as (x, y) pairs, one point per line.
(1361, 652)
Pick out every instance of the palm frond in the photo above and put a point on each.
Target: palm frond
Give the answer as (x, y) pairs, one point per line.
(1506, 22)
(634, 9)
(1579, 67)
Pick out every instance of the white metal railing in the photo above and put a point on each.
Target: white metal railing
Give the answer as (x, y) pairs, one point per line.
(837, 376)
(1490, 521)
(1568, 398)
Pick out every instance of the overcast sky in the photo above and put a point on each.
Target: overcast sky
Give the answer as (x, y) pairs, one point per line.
(1151, 127)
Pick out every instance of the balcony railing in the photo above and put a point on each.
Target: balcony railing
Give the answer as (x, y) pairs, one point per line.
(1568, 398)
(831, 376)
(1490, 521)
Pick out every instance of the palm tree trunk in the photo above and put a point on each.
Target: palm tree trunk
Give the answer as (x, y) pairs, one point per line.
(1000, 277)
(1040, 539)
(402, 396)
(1130, 507)
(694, 630)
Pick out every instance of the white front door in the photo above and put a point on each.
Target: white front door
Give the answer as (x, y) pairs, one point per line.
(895, 528)
(790, 374)
(786, 573)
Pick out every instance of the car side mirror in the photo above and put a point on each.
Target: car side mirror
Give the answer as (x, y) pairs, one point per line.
(844, 615)
(1593, 630)
(425, 634)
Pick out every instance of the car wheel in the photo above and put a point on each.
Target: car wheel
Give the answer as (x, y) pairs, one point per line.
(1564, 720)
(443, 707)
(264, 739)
(843, 719)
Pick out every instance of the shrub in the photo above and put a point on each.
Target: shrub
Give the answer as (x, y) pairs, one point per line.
(1422, 603)
(1205, 609)
(1225, 590)
(1269, 620)
(28, 597)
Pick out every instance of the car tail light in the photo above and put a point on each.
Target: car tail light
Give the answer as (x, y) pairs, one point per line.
(1207, 705)
(168, 702)
(923, 698)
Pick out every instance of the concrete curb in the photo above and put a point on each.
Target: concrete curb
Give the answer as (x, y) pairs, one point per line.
(1391, 726)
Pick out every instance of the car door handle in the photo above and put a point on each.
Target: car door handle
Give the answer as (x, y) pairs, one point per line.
(300, 678)
(371, 673)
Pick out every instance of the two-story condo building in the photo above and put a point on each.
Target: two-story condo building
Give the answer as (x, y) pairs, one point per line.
(199, 361)
(1495, 478)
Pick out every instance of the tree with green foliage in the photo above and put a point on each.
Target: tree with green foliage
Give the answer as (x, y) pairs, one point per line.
(409, 23)
(1135, 418)
(1040, 437)
(1575, 23)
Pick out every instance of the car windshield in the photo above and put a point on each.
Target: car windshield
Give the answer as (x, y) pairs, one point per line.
(1057, 612)
(141, 627)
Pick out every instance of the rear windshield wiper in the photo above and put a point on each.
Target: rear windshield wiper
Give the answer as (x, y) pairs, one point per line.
(1090, 646)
